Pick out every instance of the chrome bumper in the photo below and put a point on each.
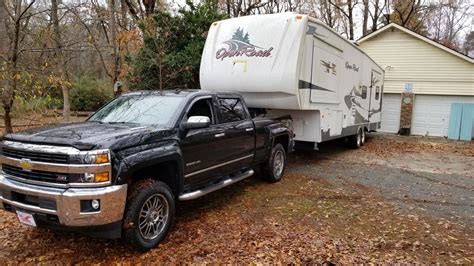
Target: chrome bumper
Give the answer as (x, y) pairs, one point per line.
(68, 202)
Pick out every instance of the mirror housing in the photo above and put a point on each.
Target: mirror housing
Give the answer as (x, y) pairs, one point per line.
(195, 122)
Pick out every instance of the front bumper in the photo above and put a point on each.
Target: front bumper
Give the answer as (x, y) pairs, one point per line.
(64, 203)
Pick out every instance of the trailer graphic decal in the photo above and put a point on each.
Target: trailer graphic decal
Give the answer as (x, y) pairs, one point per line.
(307, 85)
(330, 67)
(239, 45)
(354, 103)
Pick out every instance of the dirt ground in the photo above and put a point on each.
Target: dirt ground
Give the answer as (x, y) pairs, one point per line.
(397, 199)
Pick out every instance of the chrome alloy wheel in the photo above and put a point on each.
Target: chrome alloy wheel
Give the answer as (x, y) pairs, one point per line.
(154, 216)
(359, 138)
(363, 137)
(278, 163)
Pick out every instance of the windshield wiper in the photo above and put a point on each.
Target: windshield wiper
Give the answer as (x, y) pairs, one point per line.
(121, 122)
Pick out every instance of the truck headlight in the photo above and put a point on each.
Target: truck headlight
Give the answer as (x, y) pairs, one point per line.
(96, 178)
(96, 158)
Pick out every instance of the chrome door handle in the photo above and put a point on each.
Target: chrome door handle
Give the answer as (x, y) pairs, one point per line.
(249, 129)
(220, 135)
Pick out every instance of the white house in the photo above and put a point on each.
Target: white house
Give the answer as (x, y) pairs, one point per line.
(435, 75)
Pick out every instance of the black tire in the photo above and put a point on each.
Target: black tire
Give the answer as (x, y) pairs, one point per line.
(355, 141)
(274, 167)
(143, 199)
(364, 137)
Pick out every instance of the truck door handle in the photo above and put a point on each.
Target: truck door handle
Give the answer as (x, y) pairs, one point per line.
(220, 135)
(249, 129)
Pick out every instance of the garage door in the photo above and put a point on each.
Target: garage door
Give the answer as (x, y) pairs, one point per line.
(431, 114)
(390, 113)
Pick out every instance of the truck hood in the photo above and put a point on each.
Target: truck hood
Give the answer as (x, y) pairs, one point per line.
(92, 135)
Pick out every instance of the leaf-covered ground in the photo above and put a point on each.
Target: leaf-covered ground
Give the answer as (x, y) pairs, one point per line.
(319, 213)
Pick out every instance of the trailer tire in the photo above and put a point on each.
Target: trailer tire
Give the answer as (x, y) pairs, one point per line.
(149, 214)
(355, 141)
(363, 138)
(274, 167)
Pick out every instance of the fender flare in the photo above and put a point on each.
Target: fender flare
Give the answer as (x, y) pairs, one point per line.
(165, 153)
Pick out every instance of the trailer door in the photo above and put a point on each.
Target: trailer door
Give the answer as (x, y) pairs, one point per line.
(375, 99)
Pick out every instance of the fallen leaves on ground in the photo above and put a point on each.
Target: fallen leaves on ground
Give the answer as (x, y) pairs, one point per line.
(299, 220)
(416, 145)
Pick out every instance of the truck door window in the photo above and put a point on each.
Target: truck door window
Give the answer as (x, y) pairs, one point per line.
(377, 92)
(202, 108)
(232, 110)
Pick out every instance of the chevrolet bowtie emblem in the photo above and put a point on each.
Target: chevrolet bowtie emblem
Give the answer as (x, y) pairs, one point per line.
(25, 164)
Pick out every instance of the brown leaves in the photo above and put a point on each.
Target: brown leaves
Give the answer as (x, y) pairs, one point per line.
(415, 145)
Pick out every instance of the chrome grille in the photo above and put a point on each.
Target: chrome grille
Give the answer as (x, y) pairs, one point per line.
(34, 175)
(35, 156)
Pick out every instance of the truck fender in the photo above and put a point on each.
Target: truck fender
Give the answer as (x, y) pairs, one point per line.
(147, 157)
(275, 131)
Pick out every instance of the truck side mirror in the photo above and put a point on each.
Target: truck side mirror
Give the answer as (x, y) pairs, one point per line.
(195, 122)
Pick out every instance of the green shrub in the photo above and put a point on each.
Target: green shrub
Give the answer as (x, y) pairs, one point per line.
(35, 104)
(88, 94)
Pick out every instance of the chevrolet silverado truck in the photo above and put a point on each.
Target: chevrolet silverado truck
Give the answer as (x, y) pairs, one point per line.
(120, 173)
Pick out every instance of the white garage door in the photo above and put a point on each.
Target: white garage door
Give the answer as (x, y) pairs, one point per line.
(390, 113)
(431, 114)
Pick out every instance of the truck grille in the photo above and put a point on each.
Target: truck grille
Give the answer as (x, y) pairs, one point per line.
(36, 156)
(35, 175)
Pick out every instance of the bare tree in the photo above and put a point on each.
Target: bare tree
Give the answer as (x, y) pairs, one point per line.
(376, 13)
(347, 10)
(17, 15)
(63, 82)
(365, 16)
(113, 41)
(412, 14)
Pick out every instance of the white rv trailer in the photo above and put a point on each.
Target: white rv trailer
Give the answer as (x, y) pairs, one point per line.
(294, 64)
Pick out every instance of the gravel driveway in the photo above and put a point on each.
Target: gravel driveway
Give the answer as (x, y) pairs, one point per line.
(434, 176)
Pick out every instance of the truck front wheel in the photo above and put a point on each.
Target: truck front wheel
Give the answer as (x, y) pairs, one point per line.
(149, 214)
(274, 168)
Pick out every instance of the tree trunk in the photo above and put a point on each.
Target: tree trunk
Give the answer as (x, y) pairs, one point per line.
(8, 93)
(376, 16)
(113, 43)
(4, 86)
(123, 11)
(350, 16)
(62, 62)
(365, 17)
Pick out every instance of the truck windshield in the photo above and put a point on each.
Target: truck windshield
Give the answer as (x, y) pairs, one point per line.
(139, 109)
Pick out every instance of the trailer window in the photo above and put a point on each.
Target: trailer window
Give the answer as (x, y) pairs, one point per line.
(364, 92)
(232, 110)
(377, 92)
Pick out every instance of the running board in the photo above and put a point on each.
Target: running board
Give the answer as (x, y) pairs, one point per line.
(224, 183)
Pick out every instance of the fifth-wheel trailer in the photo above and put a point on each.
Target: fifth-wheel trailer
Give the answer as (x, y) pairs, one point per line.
(293, 64)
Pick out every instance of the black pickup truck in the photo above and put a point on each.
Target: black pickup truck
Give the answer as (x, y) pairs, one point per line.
(120, 173)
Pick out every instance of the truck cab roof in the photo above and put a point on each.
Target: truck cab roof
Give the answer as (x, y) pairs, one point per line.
(189, 93)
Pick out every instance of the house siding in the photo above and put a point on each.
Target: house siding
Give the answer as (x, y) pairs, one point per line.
(428, 68)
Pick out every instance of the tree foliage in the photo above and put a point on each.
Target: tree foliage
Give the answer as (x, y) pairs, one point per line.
(172, 47)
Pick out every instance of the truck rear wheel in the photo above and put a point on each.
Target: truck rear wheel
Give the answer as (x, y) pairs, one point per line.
(149, 214)
(274, 168)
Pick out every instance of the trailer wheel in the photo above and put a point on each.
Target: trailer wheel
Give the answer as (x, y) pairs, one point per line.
(355, 141)
(363, 138)
(274, 168)
(149, 214)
